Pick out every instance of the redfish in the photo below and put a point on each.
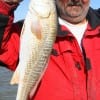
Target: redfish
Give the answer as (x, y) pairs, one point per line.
(37, 38)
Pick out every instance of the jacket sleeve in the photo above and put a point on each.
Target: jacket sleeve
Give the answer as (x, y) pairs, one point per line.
(9, 36)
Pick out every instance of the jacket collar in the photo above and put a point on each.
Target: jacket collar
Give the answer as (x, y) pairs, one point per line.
(93, 17)
(62, 31)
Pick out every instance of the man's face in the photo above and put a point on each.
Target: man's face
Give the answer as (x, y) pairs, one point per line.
(73, 11)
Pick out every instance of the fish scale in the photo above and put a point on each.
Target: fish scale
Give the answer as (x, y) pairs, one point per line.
(35, 47)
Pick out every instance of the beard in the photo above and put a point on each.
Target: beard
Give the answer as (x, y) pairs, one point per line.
(71, 11)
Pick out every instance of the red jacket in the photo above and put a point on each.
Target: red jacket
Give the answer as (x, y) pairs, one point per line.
(69, 75)
(9, 36)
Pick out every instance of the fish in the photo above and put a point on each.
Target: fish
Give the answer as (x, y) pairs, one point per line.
(38, 35)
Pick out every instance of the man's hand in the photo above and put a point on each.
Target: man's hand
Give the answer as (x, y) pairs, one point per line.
(13, 1)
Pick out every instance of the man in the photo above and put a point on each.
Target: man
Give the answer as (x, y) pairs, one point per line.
(9, 34)
(74, 66)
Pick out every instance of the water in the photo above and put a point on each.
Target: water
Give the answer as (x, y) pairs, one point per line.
(7, 91)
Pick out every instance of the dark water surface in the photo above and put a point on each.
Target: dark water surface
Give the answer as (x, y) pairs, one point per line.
(7, 91)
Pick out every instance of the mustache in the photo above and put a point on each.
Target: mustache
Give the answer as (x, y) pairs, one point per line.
(74, 3)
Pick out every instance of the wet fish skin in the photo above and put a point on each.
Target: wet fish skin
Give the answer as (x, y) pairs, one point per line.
(37, 38)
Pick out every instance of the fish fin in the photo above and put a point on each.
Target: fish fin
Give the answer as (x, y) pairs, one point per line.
(36, 28)
(15, 78)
